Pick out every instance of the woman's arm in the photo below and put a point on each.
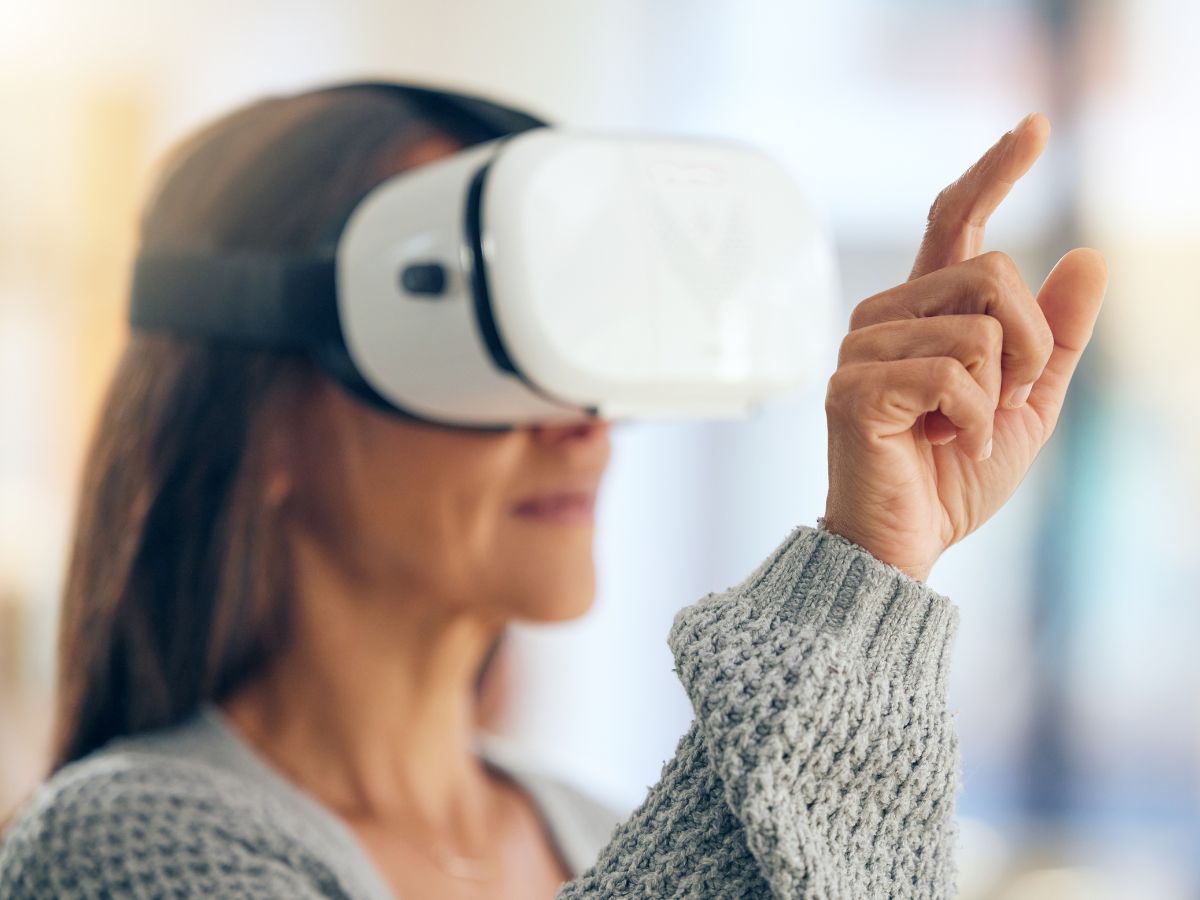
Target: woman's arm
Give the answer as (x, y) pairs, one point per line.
(822, 761)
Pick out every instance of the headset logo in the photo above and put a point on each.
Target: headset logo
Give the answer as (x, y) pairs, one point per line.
(699, 229)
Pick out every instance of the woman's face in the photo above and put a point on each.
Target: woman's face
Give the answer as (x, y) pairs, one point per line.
(434, 514)
(443, 515)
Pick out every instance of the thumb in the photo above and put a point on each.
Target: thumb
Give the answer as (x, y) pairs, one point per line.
(1070, 299)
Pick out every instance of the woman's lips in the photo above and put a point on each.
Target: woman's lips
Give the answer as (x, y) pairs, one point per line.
(567, 507)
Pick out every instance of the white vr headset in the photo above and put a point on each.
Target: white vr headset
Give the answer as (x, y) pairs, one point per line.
(540, 277)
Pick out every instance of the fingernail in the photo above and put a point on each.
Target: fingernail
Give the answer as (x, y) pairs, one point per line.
(987, 451)
(944, 441)
(1020, 395)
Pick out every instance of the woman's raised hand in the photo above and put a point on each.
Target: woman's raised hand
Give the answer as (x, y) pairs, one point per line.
(948, 385)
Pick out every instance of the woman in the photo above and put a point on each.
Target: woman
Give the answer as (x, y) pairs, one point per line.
(280, 597)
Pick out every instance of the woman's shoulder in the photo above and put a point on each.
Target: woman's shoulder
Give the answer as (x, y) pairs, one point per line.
(131, 823)
(126, 788)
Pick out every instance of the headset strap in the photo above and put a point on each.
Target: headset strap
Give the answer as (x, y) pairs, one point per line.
(276, 299)
(272, 299)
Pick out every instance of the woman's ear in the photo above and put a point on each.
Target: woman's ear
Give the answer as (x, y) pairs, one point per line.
(278, 459)
(278, 488)
(278, 481)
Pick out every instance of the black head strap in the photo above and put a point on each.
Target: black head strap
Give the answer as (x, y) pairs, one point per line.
(269, 299)
(465, 114)
(277, 299)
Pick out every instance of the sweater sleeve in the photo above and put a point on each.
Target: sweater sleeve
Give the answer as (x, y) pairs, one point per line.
(822, 761)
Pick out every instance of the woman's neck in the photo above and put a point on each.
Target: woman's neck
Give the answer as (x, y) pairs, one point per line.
(370, 708)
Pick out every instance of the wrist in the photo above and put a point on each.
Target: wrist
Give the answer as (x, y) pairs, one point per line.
(911, 564)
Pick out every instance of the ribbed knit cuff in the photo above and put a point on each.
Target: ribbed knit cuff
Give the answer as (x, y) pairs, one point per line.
(829, 588)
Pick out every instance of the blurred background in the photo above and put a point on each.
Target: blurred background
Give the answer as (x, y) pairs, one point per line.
(1077, 676)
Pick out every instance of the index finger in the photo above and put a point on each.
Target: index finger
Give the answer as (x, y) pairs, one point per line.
(960, 212)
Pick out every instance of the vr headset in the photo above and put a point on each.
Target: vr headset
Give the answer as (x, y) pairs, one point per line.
(543, 276)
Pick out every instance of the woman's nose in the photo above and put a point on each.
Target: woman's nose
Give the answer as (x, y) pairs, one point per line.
(590, 430)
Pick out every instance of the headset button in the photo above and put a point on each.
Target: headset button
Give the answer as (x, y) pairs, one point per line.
(424, 278)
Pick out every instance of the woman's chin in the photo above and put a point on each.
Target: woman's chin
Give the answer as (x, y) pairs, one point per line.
(556, 599)
(549, 579)
(561, 609)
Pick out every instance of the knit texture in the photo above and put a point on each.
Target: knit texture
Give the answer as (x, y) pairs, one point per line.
(148, 828)
(822, 763)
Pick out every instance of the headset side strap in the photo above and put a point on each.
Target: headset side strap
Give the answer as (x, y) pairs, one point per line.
(270, 299)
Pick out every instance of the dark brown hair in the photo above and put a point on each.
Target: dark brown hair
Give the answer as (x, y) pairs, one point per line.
(176, 589)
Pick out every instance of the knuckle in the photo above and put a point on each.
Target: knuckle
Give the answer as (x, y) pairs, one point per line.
(860, 316)
(1030, 356)
(1045, 342)
(996, 271)
(989, 287)
(847, 348)
(949, 374)
(998, 263)
(837, 391)
(847, 390)
(983, 340)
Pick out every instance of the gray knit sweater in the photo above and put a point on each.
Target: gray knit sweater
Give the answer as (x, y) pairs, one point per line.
(822, 763)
